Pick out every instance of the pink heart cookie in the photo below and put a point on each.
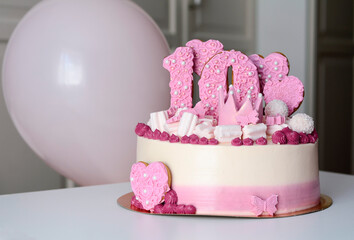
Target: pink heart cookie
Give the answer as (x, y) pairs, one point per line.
(203, 51)
(290, 90)
(150, 183)
(273, 67)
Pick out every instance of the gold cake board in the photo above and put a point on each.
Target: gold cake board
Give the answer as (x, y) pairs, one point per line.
(325, 202)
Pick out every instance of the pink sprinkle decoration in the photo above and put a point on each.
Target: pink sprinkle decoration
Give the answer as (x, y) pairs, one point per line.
(190, 209)
(236, 142)
(203, 141)
(185, 139)
(156, 134)
(213, 141)
(164, 136)
(168, 209)
(248, 142)
(136, 203)
(158, 209)
(279, 138)
(174, 139)
(149, 134)
(311, 138)
(304, 138)
(293, 138)
(261, 141)
(286, 130)
(140, 129)
(171, 197)
(179, 209)
(315, 134)
(194, 139)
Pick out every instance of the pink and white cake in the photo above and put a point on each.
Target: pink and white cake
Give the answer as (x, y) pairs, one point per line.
(240, 151)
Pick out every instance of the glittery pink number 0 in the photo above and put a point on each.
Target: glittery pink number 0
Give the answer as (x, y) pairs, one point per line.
(214, 75)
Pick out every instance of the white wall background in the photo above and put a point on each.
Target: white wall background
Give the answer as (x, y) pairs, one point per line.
(282, 26)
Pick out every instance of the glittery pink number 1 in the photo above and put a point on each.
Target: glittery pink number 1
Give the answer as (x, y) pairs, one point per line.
(180, 66)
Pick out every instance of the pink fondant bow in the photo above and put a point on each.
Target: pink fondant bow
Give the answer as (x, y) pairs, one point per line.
(260, 205)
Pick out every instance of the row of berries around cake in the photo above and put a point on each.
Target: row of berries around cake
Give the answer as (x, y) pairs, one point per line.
(284, 136)
(169, 206)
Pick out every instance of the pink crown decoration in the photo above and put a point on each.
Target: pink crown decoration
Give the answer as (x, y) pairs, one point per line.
(232, 111)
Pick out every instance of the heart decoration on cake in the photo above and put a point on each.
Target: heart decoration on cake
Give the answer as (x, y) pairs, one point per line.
(150, 182)
(273, 67)
(290, 90)
(268, 205)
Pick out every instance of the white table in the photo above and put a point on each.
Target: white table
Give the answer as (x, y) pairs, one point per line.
(92, 213)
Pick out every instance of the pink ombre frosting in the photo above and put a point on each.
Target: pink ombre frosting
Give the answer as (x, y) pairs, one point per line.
(227, 177)
(231, 200)
(149, 183)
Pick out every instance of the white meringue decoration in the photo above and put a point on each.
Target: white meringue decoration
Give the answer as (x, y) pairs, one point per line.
(302, 123)
(254, 131)
(275, 108)
(225, 133)
(158, 120)
(187, 124)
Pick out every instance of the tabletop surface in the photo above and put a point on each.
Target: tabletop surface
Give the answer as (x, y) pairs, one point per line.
(93, 213)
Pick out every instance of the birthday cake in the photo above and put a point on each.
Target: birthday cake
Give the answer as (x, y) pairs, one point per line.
(240, 151)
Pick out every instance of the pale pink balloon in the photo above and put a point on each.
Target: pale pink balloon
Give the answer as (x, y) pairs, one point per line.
(78, 75)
